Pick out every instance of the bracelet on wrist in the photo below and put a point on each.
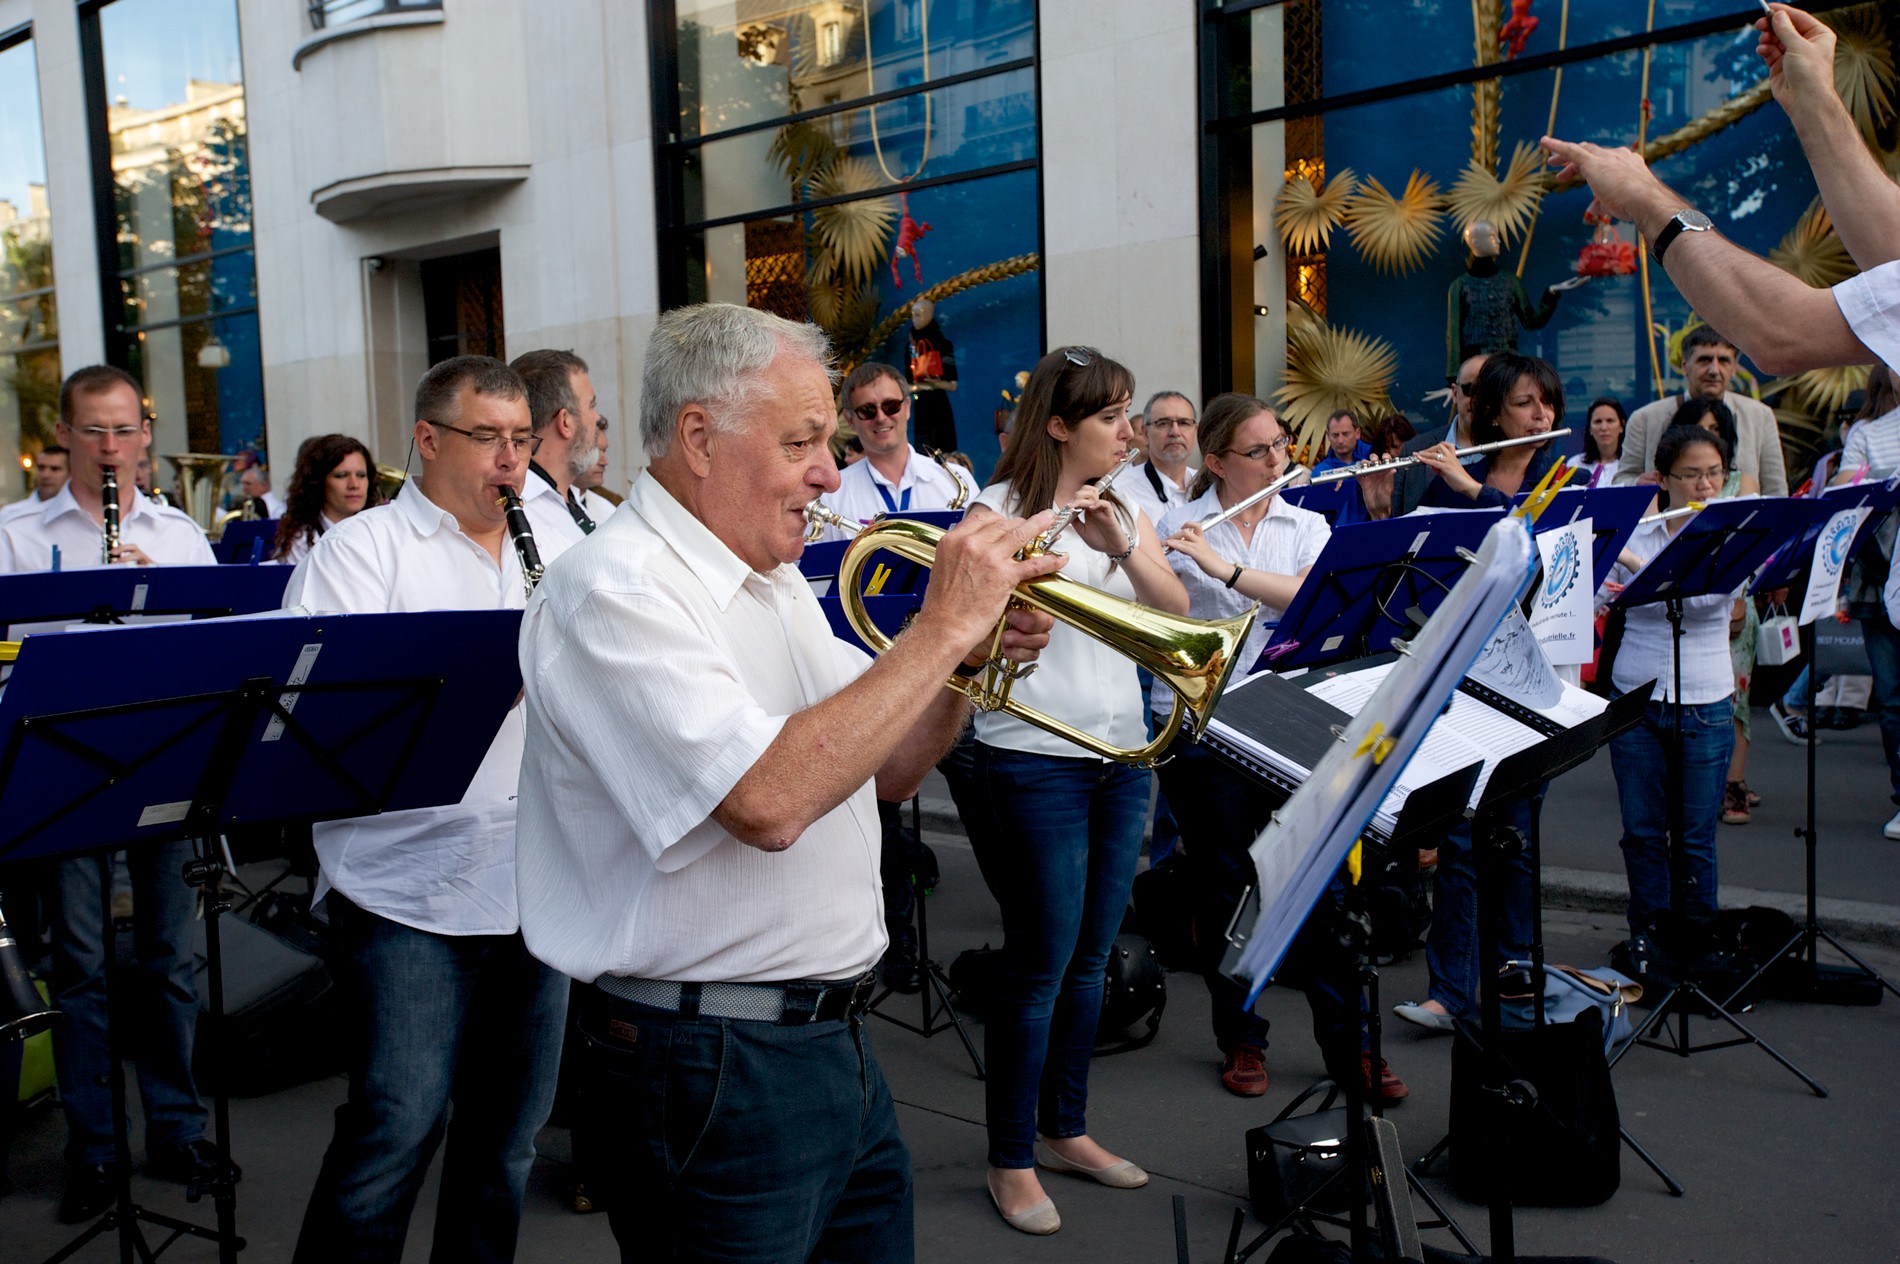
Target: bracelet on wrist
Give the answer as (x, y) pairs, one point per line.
(1124, 555)
(968, 672)
(1235, 577)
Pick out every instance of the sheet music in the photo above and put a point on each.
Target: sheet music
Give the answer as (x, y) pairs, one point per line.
(1513, 663)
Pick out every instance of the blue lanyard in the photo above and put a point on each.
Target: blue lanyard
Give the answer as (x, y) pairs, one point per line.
(892, 505)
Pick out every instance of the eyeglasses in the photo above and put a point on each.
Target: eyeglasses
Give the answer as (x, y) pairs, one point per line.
(1259, 452)
(1714, 474)
(1173, 423)
(98, 433)
(485, 440)
(889, 407)
(1080, 357)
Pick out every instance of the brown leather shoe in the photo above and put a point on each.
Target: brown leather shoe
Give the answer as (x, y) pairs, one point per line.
(1390, 1088)
(1244, 1073)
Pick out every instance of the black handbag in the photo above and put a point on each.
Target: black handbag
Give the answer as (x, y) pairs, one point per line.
(1565, 1149)
(1294, 1160)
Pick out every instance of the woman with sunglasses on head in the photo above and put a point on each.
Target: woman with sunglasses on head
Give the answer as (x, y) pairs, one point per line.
(1694, 464)
(335, 479)
(1260, 555)
(1060, 856)
(892, 476)
(1516, 396)
(1602, 441)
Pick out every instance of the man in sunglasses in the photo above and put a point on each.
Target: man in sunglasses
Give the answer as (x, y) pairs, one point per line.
(446, 1004)
(1409, 484)
(893, 476)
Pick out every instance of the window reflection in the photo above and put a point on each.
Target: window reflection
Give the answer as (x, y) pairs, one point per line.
(179, 149)
(29, 319)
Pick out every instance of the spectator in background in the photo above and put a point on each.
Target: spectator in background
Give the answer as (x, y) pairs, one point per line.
(333, 480)
(1709, 365)
(1410, 483)
(1602, 441)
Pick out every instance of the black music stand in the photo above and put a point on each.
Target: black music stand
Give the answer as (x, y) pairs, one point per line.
(1790, 568)
(258, 721)
(1716, 552)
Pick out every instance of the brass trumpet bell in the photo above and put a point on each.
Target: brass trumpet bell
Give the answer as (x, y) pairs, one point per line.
(1192, 657)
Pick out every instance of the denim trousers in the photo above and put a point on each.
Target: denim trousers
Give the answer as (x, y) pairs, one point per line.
(1451, 945)
(1646, 764)
(732, 1140)
(1221, 814)
(1883, 656)
(469, 1021)
(157, 1018)
(1060, 863)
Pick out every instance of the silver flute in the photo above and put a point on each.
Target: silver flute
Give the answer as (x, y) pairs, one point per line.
(1369, 467)
(1064, 516)
(1242, 505)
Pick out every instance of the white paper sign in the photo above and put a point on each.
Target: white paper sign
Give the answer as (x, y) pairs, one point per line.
(1561, 613)
(1830, 563)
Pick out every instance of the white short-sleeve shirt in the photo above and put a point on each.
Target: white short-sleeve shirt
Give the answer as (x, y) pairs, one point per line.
(168, 536)
(450, 870)
(659, 667)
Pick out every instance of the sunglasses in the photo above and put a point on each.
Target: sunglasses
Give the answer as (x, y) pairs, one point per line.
(889, 407)
(1080, 357)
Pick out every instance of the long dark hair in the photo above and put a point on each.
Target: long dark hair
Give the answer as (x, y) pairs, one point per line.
(1679, 439)
(1692, 411)
(1220, 421)
(1070, 383)
(303, 499)
(1495, 380)
(1615, 405)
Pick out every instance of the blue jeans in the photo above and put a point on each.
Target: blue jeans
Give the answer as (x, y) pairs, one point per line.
(1883, 656)
(735, 1140)
(158, 1016)
(1799, 694)
(1451, 946)
(471, 1020)
(1645, 764)
(1060, 864)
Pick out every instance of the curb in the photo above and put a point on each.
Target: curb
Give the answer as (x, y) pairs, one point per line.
(1593, 891)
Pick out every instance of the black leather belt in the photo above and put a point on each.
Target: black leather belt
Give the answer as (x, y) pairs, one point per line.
(786, 1004)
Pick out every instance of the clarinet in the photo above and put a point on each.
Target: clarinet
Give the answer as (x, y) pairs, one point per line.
(523, 533)
(109, 512)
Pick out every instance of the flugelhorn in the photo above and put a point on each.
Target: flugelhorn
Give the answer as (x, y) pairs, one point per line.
(1192, 657)
(1369, 466)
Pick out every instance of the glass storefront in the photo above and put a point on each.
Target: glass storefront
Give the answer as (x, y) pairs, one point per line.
(835, 160)
(187, 311)
(1354, 172)
(29, 320)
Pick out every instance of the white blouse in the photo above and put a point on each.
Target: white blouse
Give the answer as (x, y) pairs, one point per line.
(1077, 680)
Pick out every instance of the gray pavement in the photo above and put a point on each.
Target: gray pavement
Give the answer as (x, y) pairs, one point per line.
(1773, 1173)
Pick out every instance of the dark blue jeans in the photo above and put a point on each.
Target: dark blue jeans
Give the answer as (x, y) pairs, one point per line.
(729, 1140)
(1645, 764)
(1060, 864)
(468, 1020)
(1451, 946)
(158, 1016)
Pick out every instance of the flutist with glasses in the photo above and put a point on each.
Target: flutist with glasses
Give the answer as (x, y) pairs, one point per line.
(1068, 823)
(446, 1004)
(1237, 544)
(1516, 397)
(102, 423)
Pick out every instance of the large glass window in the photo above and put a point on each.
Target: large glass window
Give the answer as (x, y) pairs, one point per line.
(186, 316)
(1354, 170)
(832, 161)
(29, 322)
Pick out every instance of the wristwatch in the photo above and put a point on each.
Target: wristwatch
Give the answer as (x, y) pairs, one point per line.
(1688, 220)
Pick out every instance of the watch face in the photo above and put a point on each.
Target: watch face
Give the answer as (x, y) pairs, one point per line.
(1695, 221)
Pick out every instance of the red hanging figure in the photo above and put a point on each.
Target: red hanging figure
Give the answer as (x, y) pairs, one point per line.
(1519, 28)
(908, 231)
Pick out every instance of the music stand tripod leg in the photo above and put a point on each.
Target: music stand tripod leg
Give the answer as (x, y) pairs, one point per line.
(206, 872)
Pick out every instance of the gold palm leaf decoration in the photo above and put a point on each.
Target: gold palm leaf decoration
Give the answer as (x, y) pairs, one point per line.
(1818, 393)
(1863, 67)
(1396, 233)
(854, 233)
(1328, 369)
(1306, 215)
(1509, 203)
(1813, 252)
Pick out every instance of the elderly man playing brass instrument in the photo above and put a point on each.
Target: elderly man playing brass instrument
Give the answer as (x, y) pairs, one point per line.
(697, 831)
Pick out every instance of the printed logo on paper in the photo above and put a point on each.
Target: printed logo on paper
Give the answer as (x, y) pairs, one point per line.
(1840, 534)
(1560, 575)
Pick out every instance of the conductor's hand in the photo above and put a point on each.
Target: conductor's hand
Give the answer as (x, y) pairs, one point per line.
(1618, 176)
(1799, 50)
(975, 571)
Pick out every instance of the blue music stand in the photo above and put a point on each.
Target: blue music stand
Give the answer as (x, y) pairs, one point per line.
(1363, 590)
(1789, 566)
(249, 722)
(107, 594)
(1613, 513)
(244, 541)
(899, 597)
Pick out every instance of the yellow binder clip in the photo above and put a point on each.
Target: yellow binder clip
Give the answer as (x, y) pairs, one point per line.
(1376, 744)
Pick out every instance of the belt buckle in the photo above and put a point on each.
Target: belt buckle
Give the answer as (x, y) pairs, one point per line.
(862, 993)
